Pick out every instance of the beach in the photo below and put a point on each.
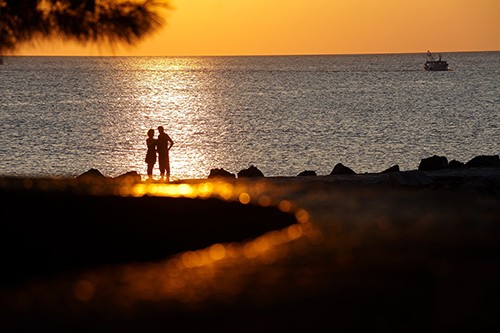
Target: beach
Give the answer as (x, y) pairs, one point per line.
(407, 251)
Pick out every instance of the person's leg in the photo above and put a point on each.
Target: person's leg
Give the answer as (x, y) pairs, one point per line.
(167, 168)
(150, 171)
(161, 163)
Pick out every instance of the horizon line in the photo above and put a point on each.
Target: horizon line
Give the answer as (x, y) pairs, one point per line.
(244, 55)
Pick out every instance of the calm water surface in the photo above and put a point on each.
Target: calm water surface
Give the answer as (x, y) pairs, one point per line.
(61, 116)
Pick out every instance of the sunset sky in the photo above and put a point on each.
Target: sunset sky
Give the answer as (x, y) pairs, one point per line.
(278, 27)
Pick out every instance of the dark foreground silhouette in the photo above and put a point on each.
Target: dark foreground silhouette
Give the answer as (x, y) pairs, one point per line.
(51, 231)
(410, 252)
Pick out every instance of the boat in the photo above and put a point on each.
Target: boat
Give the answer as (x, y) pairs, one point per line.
(431, 64)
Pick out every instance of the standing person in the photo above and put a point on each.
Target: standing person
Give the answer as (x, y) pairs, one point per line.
(163, 144)
(151, 152)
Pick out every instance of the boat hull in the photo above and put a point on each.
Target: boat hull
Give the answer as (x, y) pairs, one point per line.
(436, 66)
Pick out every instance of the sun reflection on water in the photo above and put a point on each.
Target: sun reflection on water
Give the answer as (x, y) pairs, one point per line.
(175, 93)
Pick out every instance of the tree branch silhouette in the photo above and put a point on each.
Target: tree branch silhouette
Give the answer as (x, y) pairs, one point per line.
(108, 22)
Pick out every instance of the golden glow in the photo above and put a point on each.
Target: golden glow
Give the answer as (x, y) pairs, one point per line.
(260, 27)
(217, 251)
(181, 190)
(260, 247)
(285, 206)
(192, 276)
(302, 216)
(264, 200)
(244, 198)
(222, 190)
(294, 231)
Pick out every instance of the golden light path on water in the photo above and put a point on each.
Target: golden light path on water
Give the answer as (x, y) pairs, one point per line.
(174, 93)
(216, 271)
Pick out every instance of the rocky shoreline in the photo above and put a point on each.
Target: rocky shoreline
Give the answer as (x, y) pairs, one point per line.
(481, 173)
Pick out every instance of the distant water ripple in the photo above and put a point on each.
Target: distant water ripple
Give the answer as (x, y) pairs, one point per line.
(60, 116)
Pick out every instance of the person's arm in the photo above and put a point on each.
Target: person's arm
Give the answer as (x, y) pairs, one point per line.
(170, 141)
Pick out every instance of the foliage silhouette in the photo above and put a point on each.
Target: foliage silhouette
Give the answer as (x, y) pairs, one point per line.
(109, 22)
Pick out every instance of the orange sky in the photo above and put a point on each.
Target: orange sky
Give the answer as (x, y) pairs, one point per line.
(275, 27)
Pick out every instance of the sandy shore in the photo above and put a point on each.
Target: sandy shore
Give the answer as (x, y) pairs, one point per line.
(408, 251)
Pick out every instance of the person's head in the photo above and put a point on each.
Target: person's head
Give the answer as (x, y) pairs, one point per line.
(151, 132)
(160, 129)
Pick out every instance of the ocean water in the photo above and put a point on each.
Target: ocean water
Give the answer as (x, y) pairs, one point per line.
(61, 116)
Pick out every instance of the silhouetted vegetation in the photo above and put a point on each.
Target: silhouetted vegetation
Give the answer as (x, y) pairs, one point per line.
(84, 21)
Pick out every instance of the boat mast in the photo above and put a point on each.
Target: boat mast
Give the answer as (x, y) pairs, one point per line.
(430, 56)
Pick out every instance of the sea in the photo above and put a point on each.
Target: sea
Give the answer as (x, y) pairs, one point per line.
(62, 116)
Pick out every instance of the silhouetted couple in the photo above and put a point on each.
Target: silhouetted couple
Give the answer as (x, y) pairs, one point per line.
(160, 146)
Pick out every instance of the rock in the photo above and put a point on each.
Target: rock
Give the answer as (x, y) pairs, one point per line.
(340, 169)
(91, 175)
(251, 172)
(484, 161)
(394, 168)
(307, 173)
(129, 177)
(220, 173)
(454, 164)
(433, 163)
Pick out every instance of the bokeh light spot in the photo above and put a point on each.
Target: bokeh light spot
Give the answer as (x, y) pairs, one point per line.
(244, 198)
